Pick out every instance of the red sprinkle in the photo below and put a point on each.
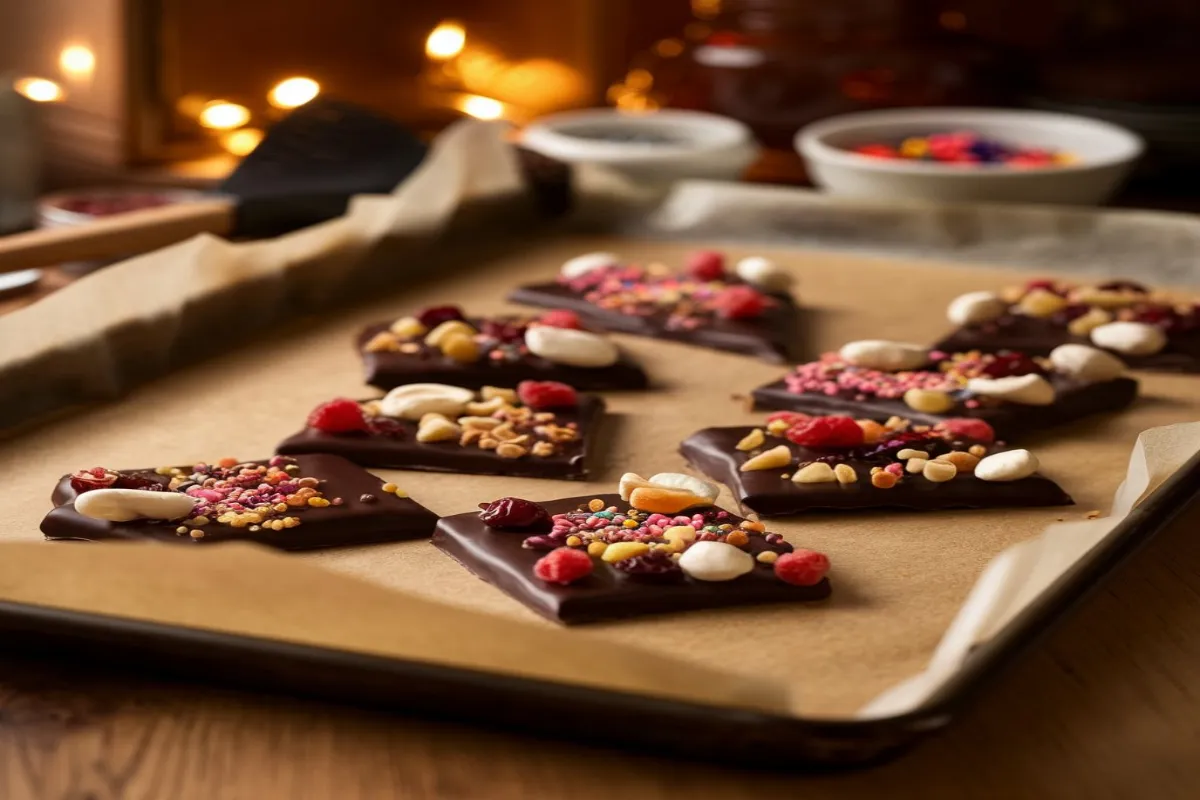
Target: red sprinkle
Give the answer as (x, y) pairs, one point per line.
(706, 265)
(966, 428)
(564, 565)
(739, 302)
(341, 415)
(826, 432)
(561, 318)
(539, 395)
(802, 567)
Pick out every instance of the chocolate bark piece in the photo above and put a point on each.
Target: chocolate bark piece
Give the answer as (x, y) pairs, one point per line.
(384, 517)
(713, 451)
(403, 451)
(499, 558)
(427, 364)
(771, 336)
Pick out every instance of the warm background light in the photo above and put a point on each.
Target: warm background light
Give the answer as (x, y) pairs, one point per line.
(223, 115)
(445, 41)
(242, 142)
(77, 60)
(39, 90)
(481, 107)
(293, 92)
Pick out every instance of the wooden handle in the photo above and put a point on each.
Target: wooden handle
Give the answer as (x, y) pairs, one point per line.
(119, 235)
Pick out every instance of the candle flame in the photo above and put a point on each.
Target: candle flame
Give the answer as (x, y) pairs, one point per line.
(40, 90)
(223, 116)
(77, 60)
(293, 92)
(242, 142)
(445, 41)
(481, 107)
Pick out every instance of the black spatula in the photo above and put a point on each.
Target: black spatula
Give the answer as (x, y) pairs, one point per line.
(304, 171)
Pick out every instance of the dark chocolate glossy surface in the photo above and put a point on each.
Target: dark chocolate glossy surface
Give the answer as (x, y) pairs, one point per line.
(713, 451)
(770, 336)
(1037, 337)
(428, 365)
(569, 462)
(1074, 400)
(498, 558)
(387, 519)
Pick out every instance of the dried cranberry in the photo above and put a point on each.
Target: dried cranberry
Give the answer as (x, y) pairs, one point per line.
(706, 265)
(513, 513)
(86, 480)
(504, 330)
(142, 482)
(1162, 316)
(436, 315)
(1068, 313)
(656, 566)
(340, 415)
(1008, 362)
(385, 426)
(540, 395)
(826, 432)
(739, 302)
(1123, 286)
(564, 565)
(802, 567)
(975, 430)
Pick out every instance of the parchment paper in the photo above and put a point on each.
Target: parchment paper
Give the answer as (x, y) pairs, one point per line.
(899, 579)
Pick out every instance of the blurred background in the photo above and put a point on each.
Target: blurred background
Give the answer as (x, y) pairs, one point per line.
(176, 89)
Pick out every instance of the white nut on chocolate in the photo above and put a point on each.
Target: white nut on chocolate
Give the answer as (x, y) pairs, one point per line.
(1027, 390)
(436, 428)
(816, 472)
(884, 355)
(1011, 465)
(678, 480)
(579, 266)
(571, 347)
(774, 458)
(123, 505)
(973, 308)
(1086, 363)
(715, 561)
(418, 399)
(1130, 338)
(763, 273)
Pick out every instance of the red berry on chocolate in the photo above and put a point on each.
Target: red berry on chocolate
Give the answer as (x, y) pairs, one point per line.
(706, 265)
(436, 315)
(656, 566)
(564, 565)
(561, 318)
(826, 432)
(141, 482)
(1007, 362)
(802, 567)
(540, 395)
(790, 417)
(975, 430)
(85, 480)
(340, 415)
(739, 302)
(385, 426)
(513, 513)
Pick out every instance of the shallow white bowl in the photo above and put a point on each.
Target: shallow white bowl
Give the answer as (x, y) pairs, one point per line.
(1105, 154)
(654, 146)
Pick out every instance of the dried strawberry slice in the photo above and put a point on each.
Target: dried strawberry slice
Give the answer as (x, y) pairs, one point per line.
(85, 480)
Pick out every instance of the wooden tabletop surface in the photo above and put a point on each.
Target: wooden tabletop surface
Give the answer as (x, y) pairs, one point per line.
(1107, 707)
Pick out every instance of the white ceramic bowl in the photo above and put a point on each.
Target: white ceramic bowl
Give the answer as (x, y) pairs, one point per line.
(1105, 154)
(653, 146)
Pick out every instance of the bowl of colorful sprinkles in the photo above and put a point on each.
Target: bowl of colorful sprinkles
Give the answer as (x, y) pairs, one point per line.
(969, 155)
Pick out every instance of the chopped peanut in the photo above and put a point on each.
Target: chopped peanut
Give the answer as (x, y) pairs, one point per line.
(751, 440)
(939, 471)
(816, 472)
(845, 473)
(408, 328)
(775, 458)
(507, 395)
(382, 342)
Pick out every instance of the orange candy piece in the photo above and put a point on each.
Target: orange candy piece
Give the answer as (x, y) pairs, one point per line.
(658, 500)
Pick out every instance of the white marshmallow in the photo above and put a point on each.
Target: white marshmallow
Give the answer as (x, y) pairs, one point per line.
(715, 561)
(1130, 338)
(763, 273)
(678, 480)
(123, 505)
(884, 355)
(571, 347)
(1011, 465)
(579, 266)
(1086, 363)
(1028, 390)
(975, 307)
(415, 400)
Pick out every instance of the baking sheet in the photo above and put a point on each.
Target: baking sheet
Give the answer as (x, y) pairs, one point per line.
(898, 579)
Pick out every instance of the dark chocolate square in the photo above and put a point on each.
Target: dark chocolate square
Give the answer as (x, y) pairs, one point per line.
(403, 451)
(772, 335)
(767, 492)
(385, 518)
(499, 558)
(387, 370)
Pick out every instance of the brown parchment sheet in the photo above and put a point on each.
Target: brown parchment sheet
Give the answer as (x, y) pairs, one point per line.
(899, 579)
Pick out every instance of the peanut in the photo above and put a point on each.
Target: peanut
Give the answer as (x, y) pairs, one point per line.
(928, 401)
(751, 440)
(775, 458)
(915, 465)
(507, 395)
(462, 349)
(816, 472)
(623, 550)
(510, 450)
(939, 471)
(845, 473)
(442, 333)
(408, 328)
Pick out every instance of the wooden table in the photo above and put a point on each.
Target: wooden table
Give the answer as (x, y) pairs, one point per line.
(1108, 706)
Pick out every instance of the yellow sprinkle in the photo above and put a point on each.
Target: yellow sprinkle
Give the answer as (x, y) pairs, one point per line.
(574, 541)
(914, 147)
(596, 548)
(318, 502)
(391, 488)
(630, 523)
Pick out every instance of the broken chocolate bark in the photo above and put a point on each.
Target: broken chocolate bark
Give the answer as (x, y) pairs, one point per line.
(441, 345)
(795, 464)
(545, 432)
(1147, 330)
(301, 503)
(705, 305)
(1014, 393)
(578, 560)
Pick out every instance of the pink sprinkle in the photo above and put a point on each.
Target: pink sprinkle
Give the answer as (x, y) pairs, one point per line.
(895, 469)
